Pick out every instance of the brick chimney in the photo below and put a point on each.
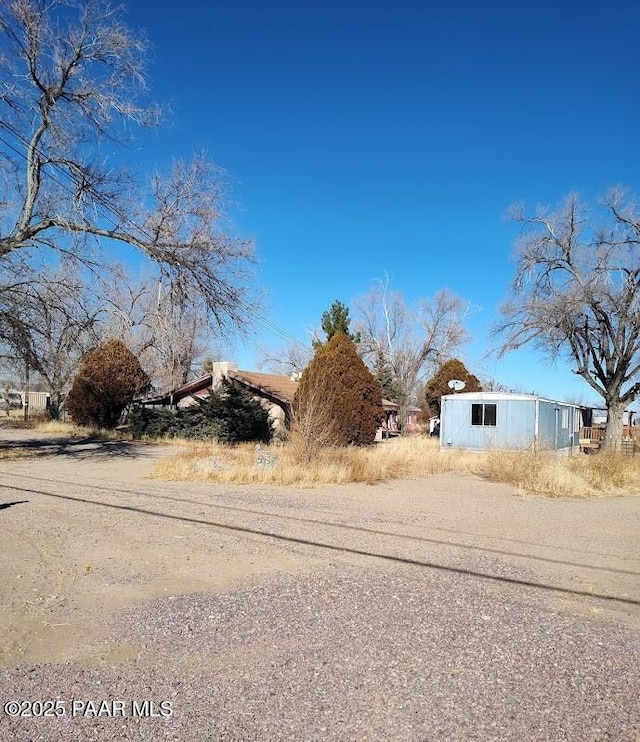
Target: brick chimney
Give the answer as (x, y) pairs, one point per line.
(220, 369)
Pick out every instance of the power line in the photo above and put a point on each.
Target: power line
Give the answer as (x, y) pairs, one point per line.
(106, 205)
(122, 218)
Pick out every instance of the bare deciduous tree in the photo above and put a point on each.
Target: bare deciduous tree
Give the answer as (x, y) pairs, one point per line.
(48, 323)
(313, 427)
(577, 294)
(291, 360)
(167, 332)
(72, 85)
(413, 341)
(179, 340)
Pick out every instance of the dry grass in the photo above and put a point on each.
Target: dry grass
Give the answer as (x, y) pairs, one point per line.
(16, 422)
(400, 458)
(546, 474)
(11, 454)
(565, 476)
(57, 427)
(404, 458)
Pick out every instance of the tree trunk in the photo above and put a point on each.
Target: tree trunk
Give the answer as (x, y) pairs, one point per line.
(26, 390)
(613, 435)
(55, 400)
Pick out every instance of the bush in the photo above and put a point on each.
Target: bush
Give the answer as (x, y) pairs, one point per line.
(338, 401)
(154, 423)
(109, 378)
(236, 415)
(229, 414)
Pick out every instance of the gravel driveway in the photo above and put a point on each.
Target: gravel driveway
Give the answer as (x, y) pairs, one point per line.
(440, 609)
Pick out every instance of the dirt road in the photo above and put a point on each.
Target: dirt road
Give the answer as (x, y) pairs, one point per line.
(446, 608)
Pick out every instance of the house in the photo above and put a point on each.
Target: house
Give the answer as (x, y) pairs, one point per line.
(390, 425)
(500, 420)
(411, 422)
(275, 392)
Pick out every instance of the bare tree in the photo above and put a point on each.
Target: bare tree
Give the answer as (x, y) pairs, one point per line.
(179, 333)
(72, 85)
(313, 427)
(577, 294)
(128, 304)
(168, 332)
(48, 323)
(490, 384)
(290, 360)
(414, 342)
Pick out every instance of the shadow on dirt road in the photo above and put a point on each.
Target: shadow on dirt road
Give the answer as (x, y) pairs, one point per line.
(35, 443)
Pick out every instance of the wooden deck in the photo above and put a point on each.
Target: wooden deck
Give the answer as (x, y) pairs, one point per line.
(591, 439)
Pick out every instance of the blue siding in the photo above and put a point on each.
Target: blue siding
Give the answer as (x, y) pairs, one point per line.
(557, 425)
(515, 426)
(547, 426)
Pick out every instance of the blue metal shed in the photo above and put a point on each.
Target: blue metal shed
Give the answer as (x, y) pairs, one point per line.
(498, 420)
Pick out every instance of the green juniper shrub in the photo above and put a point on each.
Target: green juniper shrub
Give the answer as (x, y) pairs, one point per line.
(230, 414)
(236, 415)
(153, 423)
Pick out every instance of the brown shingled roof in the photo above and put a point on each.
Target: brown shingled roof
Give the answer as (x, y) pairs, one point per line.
(280, 388)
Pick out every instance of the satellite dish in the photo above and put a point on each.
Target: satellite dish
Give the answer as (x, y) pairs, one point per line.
(456, 385)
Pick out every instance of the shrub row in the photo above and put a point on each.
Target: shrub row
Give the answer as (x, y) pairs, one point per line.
(230, 414)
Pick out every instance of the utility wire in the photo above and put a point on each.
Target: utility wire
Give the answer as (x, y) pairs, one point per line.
(123, 218)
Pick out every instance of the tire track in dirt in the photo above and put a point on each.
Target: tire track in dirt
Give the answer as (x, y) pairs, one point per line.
(362, 541)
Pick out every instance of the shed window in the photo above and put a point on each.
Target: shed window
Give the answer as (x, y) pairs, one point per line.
(565, 418)
(483, 414)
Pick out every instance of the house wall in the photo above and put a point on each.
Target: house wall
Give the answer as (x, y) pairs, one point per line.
(192, 399)
(559, 425)
(412, 421)
(515, 427)
(38, 401)
(277, 419)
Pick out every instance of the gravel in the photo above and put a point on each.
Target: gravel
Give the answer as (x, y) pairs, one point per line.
(353, 652)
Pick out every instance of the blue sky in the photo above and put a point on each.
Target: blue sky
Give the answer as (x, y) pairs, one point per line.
(367, 138)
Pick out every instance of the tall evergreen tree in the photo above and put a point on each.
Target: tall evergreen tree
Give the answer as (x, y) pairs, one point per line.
(341, 394)
(439, 384)
(336, 319)
(383, 374)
